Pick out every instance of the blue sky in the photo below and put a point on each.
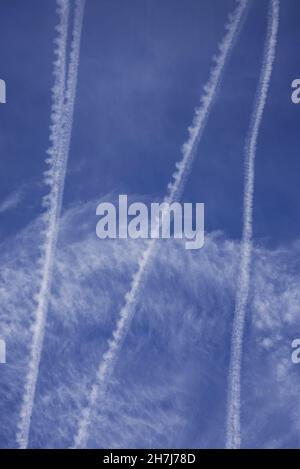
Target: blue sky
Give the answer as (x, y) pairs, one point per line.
(142, 68)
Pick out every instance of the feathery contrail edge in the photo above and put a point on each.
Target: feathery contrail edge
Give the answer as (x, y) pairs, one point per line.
(233, 436)
(60, 134)
(175, 189)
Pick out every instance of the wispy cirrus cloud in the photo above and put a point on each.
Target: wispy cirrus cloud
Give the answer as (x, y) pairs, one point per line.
(12, 201)
(168, 389)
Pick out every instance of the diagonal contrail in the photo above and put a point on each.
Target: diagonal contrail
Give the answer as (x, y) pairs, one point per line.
(175, 190)
(63, 97)
(233, 440)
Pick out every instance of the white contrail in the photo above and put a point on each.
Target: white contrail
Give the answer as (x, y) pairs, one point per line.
(63, 97)
(175, 189)
(233, 440)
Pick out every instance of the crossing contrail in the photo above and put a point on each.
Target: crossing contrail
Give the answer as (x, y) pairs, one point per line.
(175, 189)
(63, 97)
(233, 440)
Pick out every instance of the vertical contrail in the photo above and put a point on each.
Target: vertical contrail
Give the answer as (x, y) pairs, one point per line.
(63, 97)
(175, 189)
(233, 440)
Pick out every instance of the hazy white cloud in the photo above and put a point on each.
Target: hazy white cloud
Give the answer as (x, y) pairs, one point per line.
(169, 385)
(12, 200)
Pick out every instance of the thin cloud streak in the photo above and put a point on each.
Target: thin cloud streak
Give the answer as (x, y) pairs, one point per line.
(233, 440)
(63, 98)
(12, 201)
(175, 189)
